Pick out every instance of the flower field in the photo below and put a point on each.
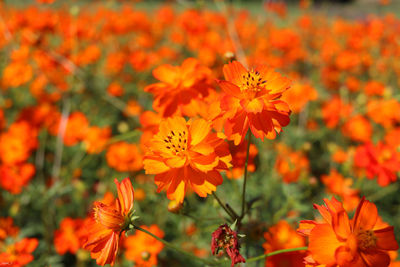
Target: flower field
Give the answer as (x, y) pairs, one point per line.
(199, 133)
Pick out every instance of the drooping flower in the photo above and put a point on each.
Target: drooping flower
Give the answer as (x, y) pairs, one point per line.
(251, 100)
(380, 161)
(360, 242)
(142, 248)
(108, 224)
(186, 155)
(225, 239)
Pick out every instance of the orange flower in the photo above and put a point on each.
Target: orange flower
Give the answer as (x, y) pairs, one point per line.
(124, 157)
(14, 177)
(380, 160)
(76, 128)
(291, 164)
(186, 155)
(381, 111)
(283, 236)
(334, 110)
(358, 128)
(19, 253)
(338, 185)
(374, 88)
(251, 100)
(96, 139)
(178, 86)
(108, 223)
(359, 242)
(142, 248)
(115, 89)
(66, 238)
(299, 95)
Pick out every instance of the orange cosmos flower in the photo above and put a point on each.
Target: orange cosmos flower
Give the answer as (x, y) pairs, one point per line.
(291, 164)
(108, 223)
(186, 155)
(358, 128)
(338, 185)
(143, 248)
(19, 253)
(299, 95)
(251, 100)
(283, 236)
(66, 238)
(380, 160)
(124, 157)
(178, 85)
(360, 242)
(96, 139)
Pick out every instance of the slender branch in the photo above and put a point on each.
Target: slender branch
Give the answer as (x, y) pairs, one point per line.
(245, 174)
(224, 207)
(257, 258)
(169, 245)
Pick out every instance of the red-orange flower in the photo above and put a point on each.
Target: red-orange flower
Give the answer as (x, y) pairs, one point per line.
(380, 160)
(251, 100)
(108, 223)
(359, 242)
(283, 236)
(178, 85)
(143, 248)
(66, 239)
(186, 155)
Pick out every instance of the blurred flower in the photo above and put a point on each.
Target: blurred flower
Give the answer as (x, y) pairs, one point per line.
(115, 89)
(337, 240)
(338, 185)
(298, 96)
(108, 223)
(239, 159)
(380, 160)
(251, 100)
(143, 248)
(124, 157)
(334, 110)
(96, 139)
(19, 253)
(290, 164)
(283, 236)
(178, 86)
(66, 239)
(186, 155)
(358, 128)
(225, 239)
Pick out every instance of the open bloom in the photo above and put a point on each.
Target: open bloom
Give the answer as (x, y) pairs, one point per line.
(186, 155)
(251, 100)
(381, 160)
(108, 223)
(360, 242)
(178, 85)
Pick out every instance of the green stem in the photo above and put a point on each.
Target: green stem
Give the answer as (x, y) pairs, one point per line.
(169, 245)
(257, 258)
(223, 206)
(124, 136)
(245, 174)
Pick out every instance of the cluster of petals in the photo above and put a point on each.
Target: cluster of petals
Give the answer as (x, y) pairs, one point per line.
(186, 154)
(108, 223)
(363, 241)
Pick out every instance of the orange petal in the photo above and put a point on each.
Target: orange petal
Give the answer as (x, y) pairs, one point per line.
(125, 195)
(323, 244)
(199, 129)
(234, 71)
(230, 89)
(366, 215)
(254, 106)
(376, 258)
(386, 239)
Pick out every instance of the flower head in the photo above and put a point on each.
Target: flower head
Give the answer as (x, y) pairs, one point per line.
(225, 239)
(251, 100)
(186, 155)
(108, 223)
(362, 241)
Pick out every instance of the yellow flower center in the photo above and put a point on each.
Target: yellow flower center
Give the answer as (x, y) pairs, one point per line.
(252, 82)
(366, 239)
(384, 156)
(176, 142)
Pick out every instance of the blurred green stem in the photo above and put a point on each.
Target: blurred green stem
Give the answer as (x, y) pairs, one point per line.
(233, 217)
(170, 245)
(123, 136)
(245, 174)
(257, 258)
